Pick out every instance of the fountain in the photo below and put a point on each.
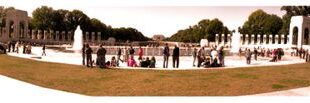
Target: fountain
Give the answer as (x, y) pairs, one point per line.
(78, 40)
(235, 43)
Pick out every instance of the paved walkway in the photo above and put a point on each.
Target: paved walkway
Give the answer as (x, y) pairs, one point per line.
(185, 61)
(292, 92)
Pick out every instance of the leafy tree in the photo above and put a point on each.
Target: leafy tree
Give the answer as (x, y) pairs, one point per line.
(46, 18)
(259, 22)
(292, 11)
(58, 20)
(42, 18)
(204, 29)
(75, 18)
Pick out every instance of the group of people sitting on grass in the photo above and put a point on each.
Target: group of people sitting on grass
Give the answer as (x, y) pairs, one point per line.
(115, 62)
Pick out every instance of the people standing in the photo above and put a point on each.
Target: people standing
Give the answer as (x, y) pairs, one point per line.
(166, 56)
(131, 51)
(248, 55)
(83, 54)
(239, 52)
(9, 46)
(194, 54)
(255, 54)
(43, 51)
(221, 56)
(89, 51)
(140, 52)
(101, 56)
(200, 56)
(24, 48)
(119, 54)
(175, 57)
(13, 46)
(17, 47)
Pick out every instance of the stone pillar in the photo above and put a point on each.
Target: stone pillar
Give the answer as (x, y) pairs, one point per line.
(52, 35)
(63, 34)
(57, 36)
(98, 36)
(276, 39)
(39, 35)
(270, 39)
(223, 39)
(229, 40)
(45, 35)
(33, 34)
(241, 39)
(28, 35)
(1, 32)
(93, 36)
(264, 39)
(258, 42)
(87, 36)
(70, 36)
(216, 39)
(282, 39)
(246, 39)
(253, 39)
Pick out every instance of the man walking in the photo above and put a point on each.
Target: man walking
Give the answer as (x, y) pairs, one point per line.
(175, 57)
(43, 50)
(166, 56)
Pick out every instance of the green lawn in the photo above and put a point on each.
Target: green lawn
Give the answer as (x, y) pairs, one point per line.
(115, 82)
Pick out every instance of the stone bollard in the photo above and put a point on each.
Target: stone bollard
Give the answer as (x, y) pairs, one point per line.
(216, 39)
(57, 36)
(264, 39)
(93, 36)
(252, 39)
(270, 39)
(34, 36)
(246, 39)
(99, 36)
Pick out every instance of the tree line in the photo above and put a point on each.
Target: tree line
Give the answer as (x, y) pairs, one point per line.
(46, 18)
(259, 22)
(204, 29)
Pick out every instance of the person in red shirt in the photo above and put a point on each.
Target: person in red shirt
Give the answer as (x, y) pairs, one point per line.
(140, 52)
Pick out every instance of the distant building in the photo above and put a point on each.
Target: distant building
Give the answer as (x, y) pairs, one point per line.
(158, 37)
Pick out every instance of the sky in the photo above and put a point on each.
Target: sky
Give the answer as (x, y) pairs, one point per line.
(157, 17)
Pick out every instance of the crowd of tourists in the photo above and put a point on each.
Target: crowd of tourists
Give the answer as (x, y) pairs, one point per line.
(274, 54)
(19, 47)
(202, 57)
(301, 53)
(128, 57)
(209, 57)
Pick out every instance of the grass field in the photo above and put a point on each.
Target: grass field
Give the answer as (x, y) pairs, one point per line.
(116, 82)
